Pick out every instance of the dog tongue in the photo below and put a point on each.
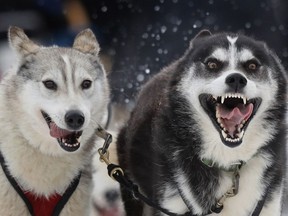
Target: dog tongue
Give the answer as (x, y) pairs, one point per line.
(57, 132)
(231, 118)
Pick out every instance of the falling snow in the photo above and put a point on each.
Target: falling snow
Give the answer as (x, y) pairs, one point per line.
(142, 37)
(157, 8)
(104, 9)
(155, 33)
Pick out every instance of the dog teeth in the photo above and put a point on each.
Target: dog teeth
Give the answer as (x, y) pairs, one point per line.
(224, 134)
(64, 141)
(222, 99)
(228, 139)
(241, 134)
(232, 95)
(71, 145)
(240, 127)
(232, 140)
(244, 100)
(219, 121)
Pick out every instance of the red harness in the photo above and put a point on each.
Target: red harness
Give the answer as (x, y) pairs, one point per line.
(41, 206)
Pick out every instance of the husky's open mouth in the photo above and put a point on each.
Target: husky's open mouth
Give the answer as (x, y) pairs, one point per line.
(231, 114)
(68, 140)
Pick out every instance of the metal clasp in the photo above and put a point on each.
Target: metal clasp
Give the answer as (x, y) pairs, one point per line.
(233, 191)
(106, 136)
(104, 157)
(104, 153)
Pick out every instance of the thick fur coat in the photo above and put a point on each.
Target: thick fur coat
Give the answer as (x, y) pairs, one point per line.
(50, 106)
(223, 102)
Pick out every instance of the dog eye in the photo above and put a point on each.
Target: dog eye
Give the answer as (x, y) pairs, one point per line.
(213, 64)
(86, 84)
(49, 84)
(252, 65)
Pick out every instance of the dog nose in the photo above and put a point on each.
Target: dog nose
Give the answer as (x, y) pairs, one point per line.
(74, 119)
(236, 81)
(112, 196)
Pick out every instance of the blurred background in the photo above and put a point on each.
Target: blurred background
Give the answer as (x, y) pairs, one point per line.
(138, 38)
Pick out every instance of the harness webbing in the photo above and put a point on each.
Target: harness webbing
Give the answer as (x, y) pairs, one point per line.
(61, 203)
(133, 188)
(117, 173)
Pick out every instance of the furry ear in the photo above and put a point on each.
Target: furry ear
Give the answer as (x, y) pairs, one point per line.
(86, 42)
(20, 42)
(201, 34)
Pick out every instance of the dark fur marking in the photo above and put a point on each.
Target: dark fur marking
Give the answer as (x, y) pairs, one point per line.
(162, 136)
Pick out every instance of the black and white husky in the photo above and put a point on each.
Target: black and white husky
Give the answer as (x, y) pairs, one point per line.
(208, 132)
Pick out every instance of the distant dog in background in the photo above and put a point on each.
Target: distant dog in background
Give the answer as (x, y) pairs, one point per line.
(106, 197)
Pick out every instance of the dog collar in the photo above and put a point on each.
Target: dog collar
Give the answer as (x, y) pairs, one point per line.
(233, 191)
(232, 168)
(41, 206)
(116, 173)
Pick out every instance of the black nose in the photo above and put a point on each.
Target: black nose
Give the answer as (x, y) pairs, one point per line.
(236, 81)
(74, 119)
(112, 195)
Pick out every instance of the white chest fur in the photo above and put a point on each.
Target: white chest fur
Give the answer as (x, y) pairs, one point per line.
(251, 189)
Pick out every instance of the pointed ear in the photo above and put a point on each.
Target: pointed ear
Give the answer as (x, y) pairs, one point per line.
(86, 42)
(20, 42)
(201, 34)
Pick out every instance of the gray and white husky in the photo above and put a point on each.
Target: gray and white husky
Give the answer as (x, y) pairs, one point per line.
(50, 107)
(208, 133)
